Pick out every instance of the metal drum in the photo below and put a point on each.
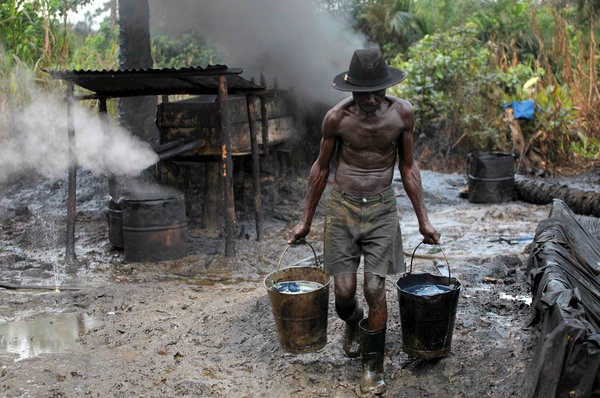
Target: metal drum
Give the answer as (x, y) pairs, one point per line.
(115, 223)
(491, 177)
(154, 227)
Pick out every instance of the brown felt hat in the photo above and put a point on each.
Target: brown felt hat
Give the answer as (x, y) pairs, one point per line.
(368, 71)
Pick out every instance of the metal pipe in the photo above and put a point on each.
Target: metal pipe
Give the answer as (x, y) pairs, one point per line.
(158, 148)
(168, 154)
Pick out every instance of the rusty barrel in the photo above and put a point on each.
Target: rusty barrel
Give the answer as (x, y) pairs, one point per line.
(154, 227)
(427, 312)
(300, 318)
(491, 177)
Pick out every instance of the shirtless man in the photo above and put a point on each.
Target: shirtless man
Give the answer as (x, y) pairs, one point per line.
(371, 131)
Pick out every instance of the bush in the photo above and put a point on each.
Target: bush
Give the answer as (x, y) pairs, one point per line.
(454, 88)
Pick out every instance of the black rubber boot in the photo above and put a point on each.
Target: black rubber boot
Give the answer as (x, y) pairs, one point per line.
(352, 332)
(372, 346)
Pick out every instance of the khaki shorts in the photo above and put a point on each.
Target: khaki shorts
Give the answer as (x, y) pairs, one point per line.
(356, 226)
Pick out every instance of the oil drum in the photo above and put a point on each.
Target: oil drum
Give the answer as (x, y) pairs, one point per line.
(115, 223)
(154, 227)
(491, 177)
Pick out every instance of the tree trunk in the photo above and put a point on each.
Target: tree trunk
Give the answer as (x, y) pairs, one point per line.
(516, 133)
(136, 114)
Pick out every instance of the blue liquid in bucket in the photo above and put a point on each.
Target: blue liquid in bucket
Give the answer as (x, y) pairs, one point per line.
(298, 287)
(427, 290)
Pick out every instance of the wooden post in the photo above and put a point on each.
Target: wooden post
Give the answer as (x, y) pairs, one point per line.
(227, 168)
(70, 257)
(213, 198)
(258, 216)
(264, 118)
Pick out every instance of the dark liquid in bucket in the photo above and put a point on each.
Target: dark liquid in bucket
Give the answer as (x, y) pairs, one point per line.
(298, 287)
(427, 290)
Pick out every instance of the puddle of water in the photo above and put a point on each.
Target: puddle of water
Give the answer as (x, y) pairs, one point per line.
(521, 297)
(48, 334)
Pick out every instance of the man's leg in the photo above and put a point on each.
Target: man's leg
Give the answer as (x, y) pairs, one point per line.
(349, 310)
(374, 288)
(372, 344)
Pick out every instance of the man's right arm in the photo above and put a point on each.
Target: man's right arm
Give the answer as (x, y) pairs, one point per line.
(317, 181)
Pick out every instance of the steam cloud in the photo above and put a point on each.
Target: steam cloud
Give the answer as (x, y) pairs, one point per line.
(34, 138)
(287, 40)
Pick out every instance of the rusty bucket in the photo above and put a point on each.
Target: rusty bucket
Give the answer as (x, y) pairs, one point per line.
(427, 312)
(300, 316)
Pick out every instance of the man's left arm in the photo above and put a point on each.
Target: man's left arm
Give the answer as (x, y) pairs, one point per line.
(411, 179)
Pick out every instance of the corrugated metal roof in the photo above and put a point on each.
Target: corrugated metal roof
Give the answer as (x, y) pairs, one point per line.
(135, 82)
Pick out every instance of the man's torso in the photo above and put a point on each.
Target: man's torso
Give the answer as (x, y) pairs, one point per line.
(368, 147)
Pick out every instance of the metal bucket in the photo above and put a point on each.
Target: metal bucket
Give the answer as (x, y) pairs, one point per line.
(491, 177)
(154, 228)
(301, 318)
(427, 320)
(115, 224)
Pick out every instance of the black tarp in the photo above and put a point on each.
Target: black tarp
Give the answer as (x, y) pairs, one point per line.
(565, 282)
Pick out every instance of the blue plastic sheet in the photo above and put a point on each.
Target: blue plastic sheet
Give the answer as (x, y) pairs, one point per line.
(522, 109)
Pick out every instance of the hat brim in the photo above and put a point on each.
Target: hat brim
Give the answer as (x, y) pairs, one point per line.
(397, 75)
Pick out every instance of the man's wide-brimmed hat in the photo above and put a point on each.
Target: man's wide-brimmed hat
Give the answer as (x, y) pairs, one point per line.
(368, 71)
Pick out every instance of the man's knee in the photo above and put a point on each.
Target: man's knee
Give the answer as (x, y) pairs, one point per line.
(374, 287)
(345, 286)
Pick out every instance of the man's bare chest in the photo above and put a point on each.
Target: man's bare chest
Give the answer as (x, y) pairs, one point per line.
(375, 135)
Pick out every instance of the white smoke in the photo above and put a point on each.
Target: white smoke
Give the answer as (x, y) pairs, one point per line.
(285, 40)
(34, 138)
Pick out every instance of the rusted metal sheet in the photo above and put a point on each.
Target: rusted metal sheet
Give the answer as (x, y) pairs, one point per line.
(137, 82)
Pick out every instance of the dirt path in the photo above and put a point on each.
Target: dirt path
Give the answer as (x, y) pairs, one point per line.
(202, 325)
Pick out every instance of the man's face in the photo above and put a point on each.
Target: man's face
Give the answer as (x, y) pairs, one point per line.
(370, 101)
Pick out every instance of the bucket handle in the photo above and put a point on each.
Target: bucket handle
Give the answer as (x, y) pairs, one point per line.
(445, 258)
(276, 280)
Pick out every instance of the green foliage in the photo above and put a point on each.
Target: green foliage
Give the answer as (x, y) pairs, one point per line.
(507, 23)
(35, 31)
(585, 147)
(185, 51)
(450, 83)
(557, 120)
(96, 50)
(22, 30)
(516, 83)
(390, 23)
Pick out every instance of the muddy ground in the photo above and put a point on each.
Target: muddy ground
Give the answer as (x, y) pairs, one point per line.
(202, 325)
